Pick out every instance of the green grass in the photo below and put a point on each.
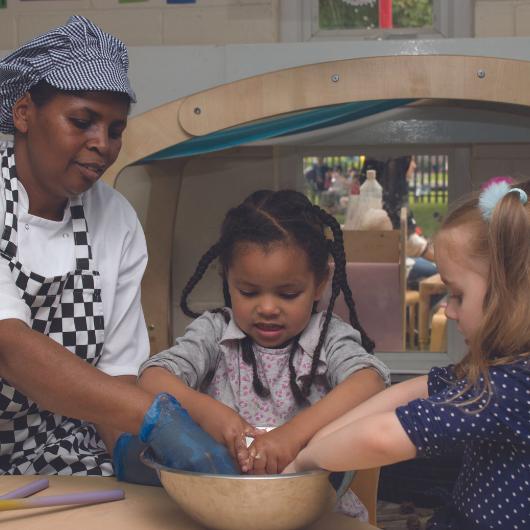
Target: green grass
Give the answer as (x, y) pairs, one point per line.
(424, 213)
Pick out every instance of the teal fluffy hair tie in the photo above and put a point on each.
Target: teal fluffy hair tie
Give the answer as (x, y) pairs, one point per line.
(493, 194)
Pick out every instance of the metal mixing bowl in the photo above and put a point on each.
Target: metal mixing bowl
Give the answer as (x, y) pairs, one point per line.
(245, 502)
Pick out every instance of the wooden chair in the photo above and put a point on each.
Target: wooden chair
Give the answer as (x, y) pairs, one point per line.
(364, 485)
(374, 273)
(412, 300)
(430, 286)
(438, 331)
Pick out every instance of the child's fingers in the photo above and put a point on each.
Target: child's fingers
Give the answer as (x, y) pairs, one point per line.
(242, 453)
(272, 465)
(240, 443)
(265, 464)
(230, 443)
(258, 461)
(254, 432)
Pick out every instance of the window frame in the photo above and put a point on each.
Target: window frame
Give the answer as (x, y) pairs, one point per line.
(404, 364)
(299, 23)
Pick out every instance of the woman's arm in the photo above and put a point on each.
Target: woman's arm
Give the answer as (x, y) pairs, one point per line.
(57, 380)
(109, 435)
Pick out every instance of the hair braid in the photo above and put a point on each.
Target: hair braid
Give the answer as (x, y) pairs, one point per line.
(250, 359)
(295, 389)
(201, 268)
(339, 257)
(226, 292)
(335, 289)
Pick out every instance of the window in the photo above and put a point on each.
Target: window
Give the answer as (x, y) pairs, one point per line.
(371, 15)
(330, 181)
(324, 20)
(339, 184)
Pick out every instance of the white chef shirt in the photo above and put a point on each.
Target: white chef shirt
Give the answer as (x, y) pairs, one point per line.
(120, 255)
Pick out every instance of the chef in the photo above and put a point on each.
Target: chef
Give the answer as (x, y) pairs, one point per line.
(72, 255)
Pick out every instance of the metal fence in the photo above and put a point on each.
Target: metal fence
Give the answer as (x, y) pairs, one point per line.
(428, 185)
(430, 181)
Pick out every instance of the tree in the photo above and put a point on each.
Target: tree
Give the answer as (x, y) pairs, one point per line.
(337, 14)
(412, 13)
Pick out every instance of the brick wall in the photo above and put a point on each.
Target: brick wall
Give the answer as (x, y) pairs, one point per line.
(148, 22)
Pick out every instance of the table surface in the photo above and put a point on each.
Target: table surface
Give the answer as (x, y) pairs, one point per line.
(433, 283)
(144, 508)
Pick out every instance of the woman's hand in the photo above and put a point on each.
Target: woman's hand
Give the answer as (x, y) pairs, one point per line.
(271, 452)
(178, 441)
(230, 429)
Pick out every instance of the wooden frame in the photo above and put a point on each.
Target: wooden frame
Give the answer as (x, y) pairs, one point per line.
(295, 89)
(372, 246)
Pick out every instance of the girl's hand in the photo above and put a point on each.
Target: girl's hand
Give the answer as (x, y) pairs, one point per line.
(291, 468)
(271, 452)
(230, 429)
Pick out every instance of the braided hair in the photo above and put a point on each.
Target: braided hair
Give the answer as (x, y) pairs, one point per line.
(267, 217)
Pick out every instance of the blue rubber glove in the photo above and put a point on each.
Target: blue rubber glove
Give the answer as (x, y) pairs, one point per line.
(127, 465)
(178, 442)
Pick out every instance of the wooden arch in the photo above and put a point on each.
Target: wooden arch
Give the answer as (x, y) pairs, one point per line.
(459, 77)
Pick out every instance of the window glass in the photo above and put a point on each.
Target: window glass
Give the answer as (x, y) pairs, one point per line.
(381, 202)
(374, 14)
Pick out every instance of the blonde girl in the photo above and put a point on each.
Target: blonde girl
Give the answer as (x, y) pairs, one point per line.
(479, 406)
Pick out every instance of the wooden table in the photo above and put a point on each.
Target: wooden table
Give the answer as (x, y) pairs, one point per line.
(428, 287)
(144, 508)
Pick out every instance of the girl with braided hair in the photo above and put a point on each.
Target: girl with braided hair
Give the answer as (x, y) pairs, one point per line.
(268, 357)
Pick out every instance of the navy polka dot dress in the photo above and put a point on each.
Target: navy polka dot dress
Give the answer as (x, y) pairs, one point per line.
(493, 487)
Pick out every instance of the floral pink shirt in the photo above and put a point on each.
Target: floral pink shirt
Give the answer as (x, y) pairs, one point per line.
(209, 358)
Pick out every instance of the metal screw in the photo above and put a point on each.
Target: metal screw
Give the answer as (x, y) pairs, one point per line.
(151, 327)
(481, 74)
(335, 78)
(197, 110)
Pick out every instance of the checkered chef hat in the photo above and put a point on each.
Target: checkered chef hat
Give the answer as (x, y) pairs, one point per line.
(76, 56)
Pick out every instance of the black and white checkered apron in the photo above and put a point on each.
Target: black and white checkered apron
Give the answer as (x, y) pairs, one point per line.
(68, 309)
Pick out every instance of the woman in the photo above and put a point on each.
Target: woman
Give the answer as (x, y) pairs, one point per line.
(72, 255)
(394, 176)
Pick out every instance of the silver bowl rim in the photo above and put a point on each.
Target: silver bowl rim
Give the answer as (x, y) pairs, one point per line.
(147, 458)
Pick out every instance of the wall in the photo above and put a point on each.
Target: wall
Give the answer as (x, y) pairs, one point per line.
(494, 160)
(154, 22)
(169, 60)
(502, 18)
(148, 22)
(210, 186)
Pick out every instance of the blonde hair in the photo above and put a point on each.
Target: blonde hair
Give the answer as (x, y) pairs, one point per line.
(503, 243)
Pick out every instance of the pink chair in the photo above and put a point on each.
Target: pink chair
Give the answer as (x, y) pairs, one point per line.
(376, 289)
